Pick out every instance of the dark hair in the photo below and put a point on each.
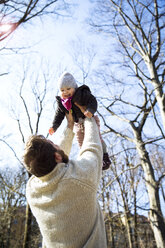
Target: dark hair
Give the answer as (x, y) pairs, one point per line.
(39, 156)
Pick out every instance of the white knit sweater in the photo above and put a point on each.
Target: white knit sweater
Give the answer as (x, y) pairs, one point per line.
(64, 202)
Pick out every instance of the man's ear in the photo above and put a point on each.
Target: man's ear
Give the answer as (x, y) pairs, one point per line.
(58, 157)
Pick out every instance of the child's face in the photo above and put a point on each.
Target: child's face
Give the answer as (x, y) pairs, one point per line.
(67, 92)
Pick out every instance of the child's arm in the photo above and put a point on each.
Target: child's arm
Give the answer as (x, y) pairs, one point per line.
(58, 118)
(91, 105)
(82, 108)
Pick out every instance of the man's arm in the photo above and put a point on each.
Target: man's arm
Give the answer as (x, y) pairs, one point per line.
(67, 137)
(91, 137)
(90, 157)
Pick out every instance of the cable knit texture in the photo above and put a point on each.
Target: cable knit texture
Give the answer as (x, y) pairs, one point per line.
(64, 202)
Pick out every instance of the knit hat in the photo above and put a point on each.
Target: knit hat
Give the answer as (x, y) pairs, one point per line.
(67, 80)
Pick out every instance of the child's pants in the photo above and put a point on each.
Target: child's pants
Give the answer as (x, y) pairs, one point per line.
(79, 132)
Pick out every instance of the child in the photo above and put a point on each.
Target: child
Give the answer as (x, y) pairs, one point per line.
(71, 95)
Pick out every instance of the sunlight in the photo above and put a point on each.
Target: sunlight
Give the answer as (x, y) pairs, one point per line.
(5, 28)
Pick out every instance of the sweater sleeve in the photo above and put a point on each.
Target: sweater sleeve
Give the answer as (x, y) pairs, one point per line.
(66, 140)
(43, 244)
(90, 157)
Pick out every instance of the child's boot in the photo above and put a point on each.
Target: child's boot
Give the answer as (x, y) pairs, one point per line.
(106, 161)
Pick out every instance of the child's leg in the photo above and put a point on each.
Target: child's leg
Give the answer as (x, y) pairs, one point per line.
(79, 132)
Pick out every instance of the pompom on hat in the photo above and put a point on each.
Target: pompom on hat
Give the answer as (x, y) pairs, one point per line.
(67, 80)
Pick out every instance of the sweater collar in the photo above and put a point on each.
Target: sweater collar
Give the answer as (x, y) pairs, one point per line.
(51, 178)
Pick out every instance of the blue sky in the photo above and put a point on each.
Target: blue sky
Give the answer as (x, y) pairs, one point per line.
(51, 41)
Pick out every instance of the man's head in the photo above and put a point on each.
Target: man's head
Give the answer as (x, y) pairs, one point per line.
(42, 155)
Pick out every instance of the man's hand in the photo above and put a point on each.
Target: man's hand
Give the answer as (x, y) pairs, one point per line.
(70, 120)
(51, 131)
(88, 114)
(84, 111)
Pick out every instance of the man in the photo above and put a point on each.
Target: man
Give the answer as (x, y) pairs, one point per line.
(62, 193)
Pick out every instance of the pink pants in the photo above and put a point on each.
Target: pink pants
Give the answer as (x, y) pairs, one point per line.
(79, 132)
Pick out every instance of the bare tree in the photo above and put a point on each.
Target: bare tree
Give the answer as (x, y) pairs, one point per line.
(12, 191)
(122, 194)
(83, 56)
(139, 28)
(156, 215)
(138, 122)
(126, 179)
(39, 92)
(15, 13)
(34, 97)
(157, 158)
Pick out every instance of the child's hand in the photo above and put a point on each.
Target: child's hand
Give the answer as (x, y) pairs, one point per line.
(88, 114)
(51, 131)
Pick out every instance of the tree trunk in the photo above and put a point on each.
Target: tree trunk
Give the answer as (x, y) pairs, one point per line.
(9, 232)
(129, 229)
(155, 214)
(27, 232)
(160, 97)
(126, 219)
(135, 222)
(111, 240)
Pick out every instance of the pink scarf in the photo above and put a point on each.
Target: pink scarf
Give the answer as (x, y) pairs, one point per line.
(67, 103)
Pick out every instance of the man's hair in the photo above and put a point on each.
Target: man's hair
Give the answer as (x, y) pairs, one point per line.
(39, 156)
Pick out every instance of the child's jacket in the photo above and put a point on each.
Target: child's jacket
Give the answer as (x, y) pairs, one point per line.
(83, 97)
